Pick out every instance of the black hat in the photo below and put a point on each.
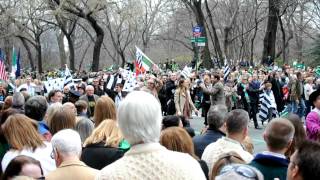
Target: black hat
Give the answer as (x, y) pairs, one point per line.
(74, 93)
(313, 96)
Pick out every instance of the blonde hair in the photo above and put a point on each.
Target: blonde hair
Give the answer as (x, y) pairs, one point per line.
(105, 109)
(108, 132)
(52, 109)
(21, 132)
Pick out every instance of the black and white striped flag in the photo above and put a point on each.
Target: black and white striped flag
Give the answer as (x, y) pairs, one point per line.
(68, 80)
(226, 73)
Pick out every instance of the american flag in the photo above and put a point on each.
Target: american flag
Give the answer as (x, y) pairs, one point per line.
(3, 73)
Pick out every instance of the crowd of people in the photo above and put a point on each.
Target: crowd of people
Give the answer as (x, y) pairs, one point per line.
(92, 130)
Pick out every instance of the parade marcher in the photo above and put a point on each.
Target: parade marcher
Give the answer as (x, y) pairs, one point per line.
(170, 91)
(274, 79)
(242, 88)
(206, 103)
(183, 103)
(253, 92)
(296, 95)
(90, 98)
(66, 94)
(268, 109)
(216, 92)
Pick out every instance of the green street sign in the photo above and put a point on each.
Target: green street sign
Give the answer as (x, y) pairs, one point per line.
(198, 39)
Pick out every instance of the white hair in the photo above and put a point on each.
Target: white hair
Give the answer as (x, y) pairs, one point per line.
(67, 142)
(140, 118)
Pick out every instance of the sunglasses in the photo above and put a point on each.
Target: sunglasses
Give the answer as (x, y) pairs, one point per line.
(243, 170)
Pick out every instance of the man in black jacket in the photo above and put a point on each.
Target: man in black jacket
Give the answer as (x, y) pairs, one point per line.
(170, 89)
(253, 92)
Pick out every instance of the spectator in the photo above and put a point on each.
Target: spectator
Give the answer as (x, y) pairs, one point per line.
(66, 90)
(278, 136)
(22, 136)
(82, 108)
(97, 89)
(18, 102)
(236, 130)
(170, 89)
(171, 121)
(70, 107)
(216, 92)
(313, 118)
(35, 108)
(223, 160)
(90, 98)
(52, 109)
(140, 122)
(305, 162)
(120, 94)
(66, 152)
(62, 119)
(216, 130)
(299, 134)
(104, 146)
(308, 89)
(7, 103)
(23, 166)
(104, 109)
(55, 96)
(84, 127)
(177, 139)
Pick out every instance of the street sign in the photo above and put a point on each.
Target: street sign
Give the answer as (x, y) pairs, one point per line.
(197, 31)
(199, 40)
(201, 44)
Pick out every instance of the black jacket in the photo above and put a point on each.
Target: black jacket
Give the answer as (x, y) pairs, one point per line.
(99, 156)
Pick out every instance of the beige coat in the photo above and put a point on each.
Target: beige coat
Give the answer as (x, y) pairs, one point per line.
(180, 100)
(73, 170)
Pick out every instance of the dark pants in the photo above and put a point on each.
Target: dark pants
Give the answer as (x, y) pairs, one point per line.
(205, 109)
(308, 107)
(253, 113)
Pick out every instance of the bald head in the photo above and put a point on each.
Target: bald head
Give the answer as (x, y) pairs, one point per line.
(279, 134)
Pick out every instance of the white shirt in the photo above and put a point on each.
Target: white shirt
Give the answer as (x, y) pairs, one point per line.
(308, 89)
(224, 145)
(42, 154)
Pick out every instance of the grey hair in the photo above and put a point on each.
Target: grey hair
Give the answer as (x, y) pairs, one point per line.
(140, 118)
(232, 174)
(237, 120)
(84, 127)
(216, 116)
(67, 142)
(18, 99)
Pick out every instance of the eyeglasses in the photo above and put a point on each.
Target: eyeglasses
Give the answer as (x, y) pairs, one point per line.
(52, 155)
(243, 170)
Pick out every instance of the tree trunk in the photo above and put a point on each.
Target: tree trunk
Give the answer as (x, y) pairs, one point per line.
(7, 50)
(62, 52)
(269, 41)
(26, 46)
(97, 44)
(284, 56)
(201, 22)
(39, 54)
(71, 52)
(215, 41)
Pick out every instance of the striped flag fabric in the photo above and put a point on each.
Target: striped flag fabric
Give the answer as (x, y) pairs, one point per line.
(14, 62)
(226, 73)
(3, 73)
(68, 81)
(143, 63)
(186, 72)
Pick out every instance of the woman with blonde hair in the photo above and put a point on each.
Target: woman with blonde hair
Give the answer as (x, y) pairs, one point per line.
(23, 138)
(105, 109)
(52, 109)
(182, 99)
(104, 146)
(177, 139)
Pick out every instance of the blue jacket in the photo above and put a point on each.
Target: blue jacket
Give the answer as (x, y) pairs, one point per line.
(202, 141)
